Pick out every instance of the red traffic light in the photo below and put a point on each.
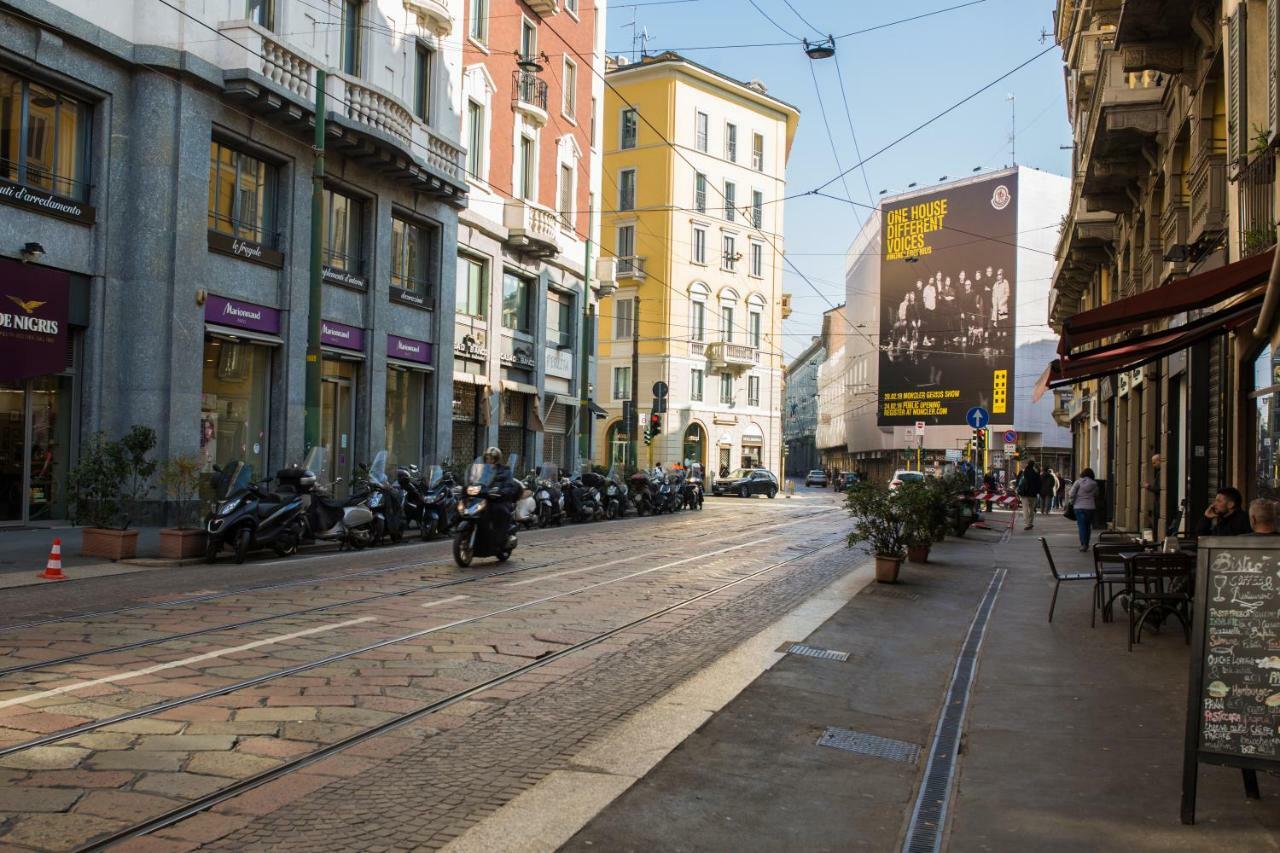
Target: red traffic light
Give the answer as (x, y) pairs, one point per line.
(655, 423)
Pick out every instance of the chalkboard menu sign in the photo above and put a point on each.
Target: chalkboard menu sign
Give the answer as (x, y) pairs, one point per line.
(1233, 702)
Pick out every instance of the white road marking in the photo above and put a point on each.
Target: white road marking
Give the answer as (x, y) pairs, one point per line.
(445, 601)
(160, 667)
(541, 578)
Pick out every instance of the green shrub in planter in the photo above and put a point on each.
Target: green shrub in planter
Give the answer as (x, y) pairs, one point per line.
(878, 519)
(112, 478)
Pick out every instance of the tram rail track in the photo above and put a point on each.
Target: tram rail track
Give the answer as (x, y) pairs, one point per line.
(243, 684)
(35, 665)
(242, 786)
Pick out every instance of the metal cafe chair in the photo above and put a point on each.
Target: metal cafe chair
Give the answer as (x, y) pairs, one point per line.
(1108, 568)
(1158, 583)
(1060, 577)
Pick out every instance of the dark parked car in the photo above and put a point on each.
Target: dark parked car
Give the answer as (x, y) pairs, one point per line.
(816, 477)
(746, 482)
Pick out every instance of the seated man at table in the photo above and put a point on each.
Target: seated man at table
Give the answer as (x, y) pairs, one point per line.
(1225, 517)
(1262, 517)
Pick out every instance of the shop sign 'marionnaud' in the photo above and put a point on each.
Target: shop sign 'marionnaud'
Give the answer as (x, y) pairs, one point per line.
(342, 336)
(33, 320)
(408, 349)
(239, 314)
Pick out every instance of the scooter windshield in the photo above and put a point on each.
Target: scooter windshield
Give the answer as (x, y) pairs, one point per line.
(317, 462)
(236, 476)
(614, 475)
(549, 471)
(480, 474)
(378, 470)
(434, 475)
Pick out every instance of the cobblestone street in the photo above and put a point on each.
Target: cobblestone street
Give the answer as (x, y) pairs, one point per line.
(390, 704)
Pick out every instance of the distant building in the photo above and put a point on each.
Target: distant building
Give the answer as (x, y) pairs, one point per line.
(800, 410)
(835, 384)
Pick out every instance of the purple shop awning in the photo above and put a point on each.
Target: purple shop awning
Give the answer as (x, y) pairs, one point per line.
(341, 336)
(408, 349)
(34, 309)
(238, 314)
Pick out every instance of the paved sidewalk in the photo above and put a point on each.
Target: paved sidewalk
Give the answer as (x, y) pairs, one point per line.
(1071, 743)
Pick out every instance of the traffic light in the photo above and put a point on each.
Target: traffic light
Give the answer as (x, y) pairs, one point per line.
(982, 440)
(648, 438)
(655, 424)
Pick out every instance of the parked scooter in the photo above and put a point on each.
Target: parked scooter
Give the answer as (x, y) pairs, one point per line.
(526, 508)
(347, 522)
(642, 493)
(442, 503)
(248, 515)
(615, 494)
(409, 479)
(384, 499)
(670, 496)
(548, 496)
(485, 529)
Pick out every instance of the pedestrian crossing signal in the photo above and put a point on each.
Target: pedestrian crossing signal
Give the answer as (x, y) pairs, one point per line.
(648, 438)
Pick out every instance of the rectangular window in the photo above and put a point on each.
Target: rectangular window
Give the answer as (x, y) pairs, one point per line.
(593, 122)
(731, 142)
(261, 12)
(241, 195)
(626, 248)
(404, 414)
(698, 322)
(726, 389)
(570, 82)
(730, 200)
(528, 167)
(726, 323)
(757, 260)
(528, 39)
(700, 192)
(566, 195)
(571, 6)
(475, 139)
(422, 83)
(630, 128)
(753, 328)
(414, 253)
(622, 383)
(757, 152)
(757, 208)
(44, 138)
(624, 316)
(753, 390)
(479, 20)
(473, 288)
(695, 385)
(560, 321)
(627, 189)
(702, 124)
(699, 245)
(343, 232)
(515, 302)
(729, 253)
(351, 37)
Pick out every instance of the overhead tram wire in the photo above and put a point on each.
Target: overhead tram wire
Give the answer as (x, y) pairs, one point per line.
(776, 25)
(857, 149)
(804, 20)
(835, 154)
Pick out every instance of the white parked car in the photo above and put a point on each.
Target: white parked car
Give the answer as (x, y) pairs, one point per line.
(904, 476)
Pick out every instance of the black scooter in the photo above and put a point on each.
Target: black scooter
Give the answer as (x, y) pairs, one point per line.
(485, 528)
(249, 516)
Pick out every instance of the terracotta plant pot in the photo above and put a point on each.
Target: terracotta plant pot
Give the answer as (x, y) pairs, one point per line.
(178, 544)
(918, 553)
(887, 569)
(110, 544)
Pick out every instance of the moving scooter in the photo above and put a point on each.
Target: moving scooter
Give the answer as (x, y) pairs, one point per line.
(486, 528)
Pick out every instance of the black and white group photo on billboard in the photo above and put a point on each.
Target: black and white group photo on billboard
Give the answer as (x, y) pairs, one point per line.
(964, 313)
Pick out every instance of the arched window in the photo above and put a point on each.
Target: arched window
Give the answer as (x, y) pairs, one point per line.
(617, 444)
(699, 293)
(755, 319)
(695, 445)
(728, 314)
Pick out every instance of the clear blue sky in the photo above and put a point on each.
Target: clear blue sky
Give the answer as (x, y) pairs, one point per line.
(895, 79)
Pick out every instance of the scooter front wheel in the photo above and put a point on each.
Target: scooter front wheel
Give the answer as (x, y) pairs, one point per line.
(211, 549)
(243, 537)
(463, 552)
(503, 556)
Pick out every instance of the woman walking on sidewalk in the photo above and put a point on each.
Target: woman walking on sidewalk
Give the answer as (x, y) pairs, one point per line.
(1083, 498)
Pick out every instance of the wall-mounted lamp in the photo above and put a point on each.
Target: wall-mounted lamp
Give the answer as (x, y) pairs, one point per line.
(32, 252)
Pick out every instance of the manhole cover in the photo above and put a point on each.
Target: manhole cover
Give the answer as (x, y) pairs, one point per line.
(867, 744)
(890, 592)
(814, 652)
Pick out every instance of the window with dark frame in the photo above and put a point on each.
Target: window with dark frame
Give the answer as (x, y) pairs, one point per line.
(515, 302)
(731, 142)
(44, 138)
(425, 62)
(729, 253)
(726, 389)
(757, 152)
(698, 332)
(415, 247)
(630, 129)
(699, 245)
(343, 246)
(351, 37)
(700, 192)
(627, 189)
(475, 138)
(624, 317)
(695, 384)
(726, 323)
(566, 195)
(702, 124)
(622, 383)
(730, 201)
(757, 208)
(757, 259)
(753, 390)
(570, 85)
(241, 195)
(479, 20)
(528, 167)
(262, 13)
(473, 287)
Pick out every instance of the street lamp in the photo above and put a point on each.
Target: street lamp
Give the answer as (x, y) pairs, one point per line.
(824, 49)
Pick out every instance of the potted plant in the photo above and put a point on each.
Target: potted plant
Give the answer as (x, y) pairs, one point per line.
(109, 485)
(878, 522)
(180, 480)
(922, 507)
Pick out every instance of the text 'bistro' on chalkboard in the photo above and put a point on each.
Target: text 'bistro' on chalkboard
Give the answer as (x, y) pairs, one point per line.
(1233, 707)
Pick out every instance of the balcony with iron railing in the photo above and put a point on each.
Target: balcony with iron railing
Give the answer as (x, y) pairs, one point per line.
(1255, 186)
(631, 267)
(1126, 112)
(726, 355)
(529, 96)
(278, 82)
(1208, 189)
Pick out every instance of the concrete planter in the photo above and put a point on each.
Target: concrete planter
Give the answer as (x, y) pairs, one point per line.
(109, 544)
(918, 553)
(887, 569)
(176, 544)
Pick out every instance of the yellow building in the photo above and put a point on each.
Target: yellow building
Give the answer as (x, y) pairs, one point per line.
(693, 164)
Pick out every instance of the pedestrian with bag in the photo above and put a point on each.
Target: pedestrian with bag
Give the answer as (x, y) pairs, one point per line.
(1082, 505)
(1048, 488)
(1028, 489)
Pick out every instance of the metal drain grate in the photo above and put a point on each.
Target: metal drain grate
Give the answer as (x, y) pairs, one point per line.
(890, 592)
(924, 834)
(814, 652)
(873, 745)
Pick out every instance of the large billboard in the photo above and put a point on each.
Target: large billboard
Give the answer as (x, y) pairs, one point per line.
(948, 284)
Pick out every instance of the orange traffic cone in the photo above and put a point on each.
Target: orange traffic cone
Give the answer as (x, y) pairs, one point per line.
(53, 569)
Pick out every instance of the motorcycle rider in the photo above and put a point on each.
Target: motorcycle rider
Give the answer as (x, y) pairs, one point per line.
(505, 485)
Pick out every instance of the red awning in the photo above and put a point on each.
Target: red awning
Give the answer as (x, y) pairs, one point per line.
(1135, 352)
(1187, 294)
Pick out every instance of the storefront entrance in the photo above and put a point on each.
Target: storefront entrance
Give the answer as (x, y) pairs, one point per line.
(35, 448)
(338, 421)
(695, 446)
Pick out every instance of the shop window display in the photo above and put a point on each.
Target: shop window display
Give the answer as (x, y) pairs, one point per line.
(234, 404)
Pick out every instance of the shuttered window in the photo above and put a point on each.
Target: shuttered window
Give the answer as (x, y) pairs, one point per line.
(1237, 112)
(1273, 42)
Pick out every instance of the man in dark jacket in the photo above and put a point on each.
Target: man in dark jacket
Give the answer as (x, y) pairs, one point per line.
(1225, 517)
(1029, 494)
(502, 509)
